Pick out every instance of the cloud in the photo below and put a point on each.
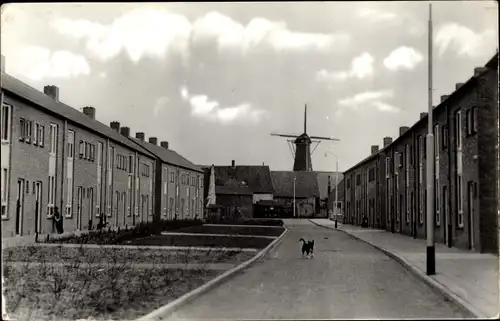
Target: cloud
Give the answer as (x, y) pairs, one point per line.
(369, 99)
(373, 15)
(36, 63)
(361, 67)
(211, 110)
(464, 41)
(142, 32)
(160, 104)
(403, 58)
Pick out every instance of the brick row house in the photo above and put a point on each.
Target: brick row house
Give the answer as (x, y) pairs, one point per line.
(389, 186)
(179, 188)
(55, 156)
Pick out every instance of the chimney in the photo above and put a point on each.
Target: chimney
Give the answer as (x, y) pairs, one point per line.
(403, 130)
(139, 136)
(164, 145)
(479, 70)
(51, 91)
(387, 141)
(460, 84)
(125, 131)
(374, 149)
(233, 163)
(89, 111)
(3, 63)
(115, 126)
(444, 97)
(153, 140)
(422, 115)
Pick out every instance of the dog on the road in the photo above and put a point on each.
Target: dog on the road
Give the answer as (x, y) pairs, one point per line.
(307, 248)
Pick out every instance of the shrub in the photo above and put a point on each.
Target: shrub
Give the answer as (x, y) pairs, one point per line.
(251, 221)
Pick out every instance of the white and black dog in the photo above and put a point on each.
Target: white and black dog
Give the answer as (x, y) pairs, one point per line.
(307, 248)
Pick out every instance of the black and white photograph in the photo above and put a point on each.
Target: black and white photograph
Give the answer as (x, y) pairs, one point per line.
(334, 160)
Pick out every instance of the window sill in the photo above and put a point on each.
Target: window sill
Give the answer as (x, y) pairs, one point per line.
(5, 218)
(68, 216)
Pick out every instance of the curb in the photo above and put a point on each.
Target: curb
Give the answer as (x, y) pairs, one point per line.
(161, 313)
(428, 280)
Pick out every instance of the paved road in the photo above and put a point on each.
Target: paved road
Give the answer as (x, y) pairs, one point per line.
(346, 279)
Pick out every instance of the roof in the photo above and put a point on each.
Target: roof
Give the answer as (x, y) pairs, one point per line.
(41, 100)
(167, 156)
(323, 182)
(306, 184)
(243, 180)
(492, 64)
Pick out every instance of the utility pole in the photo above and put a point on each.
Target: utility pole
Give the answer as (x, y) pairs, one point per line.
(431, 254)
(336, 185)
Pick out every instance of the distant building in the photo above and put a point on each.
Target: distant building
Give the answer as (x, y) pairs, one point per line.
(299, 186)
(239, 187)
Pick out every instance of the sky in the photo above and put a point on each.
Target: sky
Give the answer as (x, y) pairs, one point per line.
(216, 79)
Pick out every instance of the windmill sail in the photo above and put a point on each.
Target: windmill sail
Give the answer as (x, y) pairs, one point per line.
(211, 188)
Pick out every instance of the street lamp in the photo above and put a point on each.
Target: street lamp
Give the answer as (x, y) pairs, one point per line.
(336, 184)
(431, 259)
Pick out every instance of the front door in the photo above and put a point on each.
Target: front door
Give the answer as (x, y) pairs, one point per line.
(38, 206)
(90, 197)
(19, 206)
(446, 216)
(470, 202)
(79, 204)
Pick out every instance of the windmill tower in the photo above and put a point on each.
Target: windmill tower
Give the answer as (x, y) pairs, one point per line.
(302, 151)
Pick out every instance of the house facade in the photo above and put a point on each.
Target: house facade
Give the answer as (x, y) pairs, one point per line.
(389, 186)
(299, 188)
(55, 156)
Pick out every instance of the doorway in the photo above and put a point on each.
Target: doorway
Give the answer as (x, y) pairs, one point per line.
(471, 208)
(20, 207)
(79, 204)
(38, 207)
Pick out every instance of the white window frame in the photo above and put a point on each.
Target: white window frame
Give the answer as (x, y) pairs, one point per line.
(5, 193)
(71, 144)
(53, 139)
(51, 196)
(7, 120)
(458, 129)
(387, 167)
(69, 199)
(35, 134)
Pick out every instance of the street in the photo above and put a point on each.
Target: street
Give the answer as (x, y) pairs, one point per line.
(346, 279)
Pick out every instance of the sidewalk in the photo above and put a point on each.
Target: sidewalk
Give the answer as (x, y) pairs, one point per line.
(469, 278)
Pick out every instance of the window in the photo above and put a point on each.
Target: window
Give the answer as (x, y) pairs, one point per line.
(358, 179)
(145, 170)
(444, 137)
(471, 121)
(41, 135)
(201, 182)
(81, 149)
(131, 164)
(69, 199)
(117, 200)
(22, 127)
(92, 152)
(6, 122)
(51, 196)
(5, 191)
(99, 154)
(371, 174)
(28, 130)
(437, 205)
(459, 198)
(172, 177)
(86, 154)
(458, 130)
(71, 144)
(35, 138)
(53, 139)
(387, 167)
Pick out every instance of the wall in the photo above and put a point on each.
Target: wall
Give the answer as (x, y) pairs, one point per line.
(260, 197)
(229, 203)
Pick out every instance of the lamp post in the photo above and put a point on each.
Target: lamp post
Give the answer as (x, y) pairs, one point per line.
(431, 260)
(294, 180)
(336, 185)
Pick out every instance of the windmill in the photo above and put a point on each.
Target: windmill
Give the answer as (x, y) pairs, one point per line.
(302, 151)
